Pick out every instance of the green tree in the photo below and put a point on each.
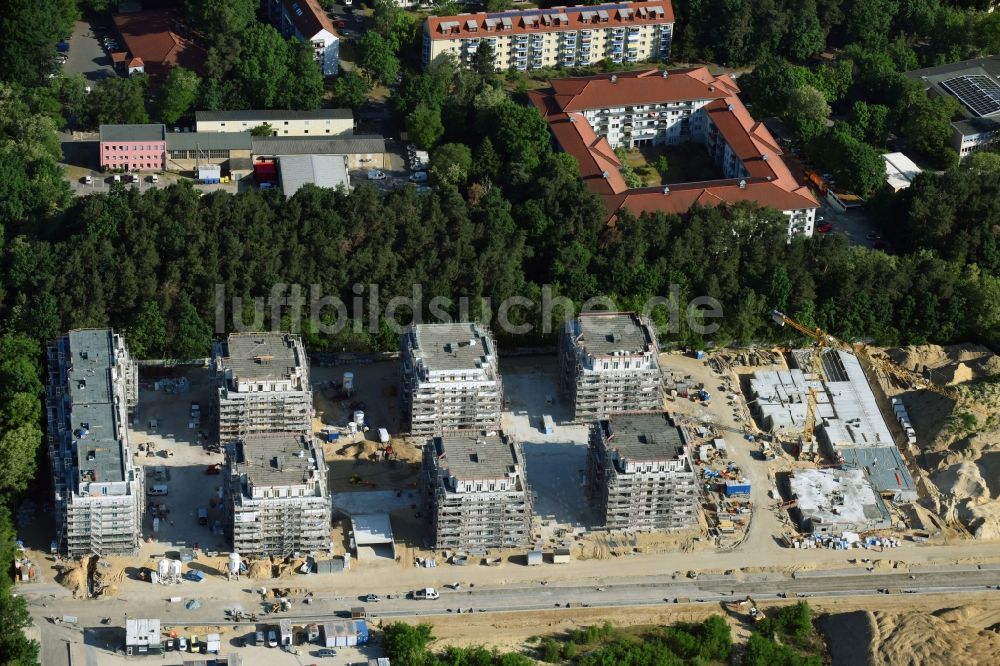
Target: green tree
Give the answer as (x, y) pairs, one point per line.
(868, 21)
(264, 129)
(407, 644)
(262, 69)
(18, 446)
(304, 88)
(451, 164)
(807, 112)
(15, 648)
(927, 125)
(117, 101)
(147, 334)
(424, 126)
(192, 336)
(484, 62)
(376, 57)
(29, 30)
(350, 90)
(869, 122)
(805, 37)
(498, 5)
(219, 19)
(178, 94)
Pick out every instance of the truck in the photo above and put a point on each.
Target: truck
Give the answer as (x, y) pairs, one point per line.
(426, 593)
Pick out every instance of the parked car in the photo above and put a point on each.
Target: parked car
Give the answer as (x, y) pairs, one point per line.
(372, 598)
(824, 228)
(87, 180)
(116, 178)
(215, 468)
(272, 638)
(375, 174)
(325, 652)
(419, 177)
(153, 178)
(259, 638)
(426, 593)
(182, 644)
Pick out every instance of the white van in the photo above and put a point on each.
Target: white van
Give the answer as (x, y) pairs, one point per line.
(426, 593)
(154, 178)
(159, 489)
(88, 180)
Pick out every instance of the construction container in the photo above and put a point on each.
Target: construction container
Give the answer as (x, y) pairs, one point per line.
(285, 627)
(361, 629)
(548, 425)
(349, 383)
(741, 487)
(561, 556)
(209, 173)
(534, 558)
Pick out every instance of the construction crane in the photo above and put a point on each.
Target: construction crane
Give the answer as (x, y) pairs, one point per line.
(876, 361)
(822, 340)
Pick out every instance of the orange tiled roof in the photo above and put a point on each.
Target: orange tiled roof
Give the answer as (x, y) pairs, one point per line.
(521, 22)
(154, 36)
(770, 183)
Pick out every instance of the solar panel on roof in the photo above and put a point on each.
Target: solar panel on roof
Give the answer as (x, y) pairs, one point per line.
(979, 92)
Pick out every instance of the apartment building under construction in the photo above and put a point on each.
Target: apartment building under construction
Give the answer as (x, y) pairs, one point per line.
(608, 363)
(99, 491)
(476, 491)
(277, 501)
(450, 379)
(639, 473)
(263, 385)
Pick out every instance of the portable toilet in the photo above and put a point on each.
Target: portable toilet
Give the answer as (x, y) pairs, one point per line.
(349, 383)
(210, 173)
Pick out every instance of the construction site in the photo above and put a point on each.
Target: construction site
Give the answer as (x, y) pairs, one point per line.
(608, 363)
(263, 383)
(99, 493)
(276, 495)
(449, 379)
(639, 473)
(476, 492)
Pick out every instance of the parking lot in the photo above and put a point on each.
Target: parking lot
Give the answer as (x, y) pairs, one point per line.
(164, 419)
(556, 462)
(87, 56)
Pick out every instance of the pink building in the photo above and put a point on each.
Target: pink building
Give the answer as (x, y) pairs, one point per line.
(134, 147)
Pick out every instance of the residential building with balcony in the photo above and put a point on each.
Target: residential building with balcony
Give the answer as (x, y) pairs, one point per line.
(263, 385)
(591, 116)
(558, 37)
(476, 492)
(276, 498)
(449, 378)
(308, 22)
(92, 389)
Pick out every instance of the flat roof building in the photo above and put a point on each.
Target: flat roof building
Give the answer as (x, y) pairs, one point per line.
(900, 171)
(133, 147)
(142, 637)
(99, 494)
(590, 116)
(476, 491)
(577, 36)
(263, 385)
(450, 379)
(849, 423)
(974, 83)
(830, 501)
(321, 122)
(608, 363)
(639, 473)
(319, 170)
(276, 496)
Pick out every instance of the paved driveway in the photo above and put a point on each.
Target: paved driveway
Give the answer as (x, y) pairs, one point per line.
(86, 55)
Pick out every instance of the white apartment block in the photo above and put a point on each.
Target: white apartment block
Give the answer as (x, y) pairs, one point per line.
(307, 21)
(99, 496)
(322, 122)
(450, 379)
(476, 491)
(276, 495)
(640, 475)
(557, 37)
(608, 363)
(263, 385)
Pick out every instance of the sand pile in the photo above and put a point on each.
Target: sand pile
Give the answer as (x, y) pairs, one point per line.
(947, 637)
(260, 569)
(74, 577)
(290, 567)
(959, 444)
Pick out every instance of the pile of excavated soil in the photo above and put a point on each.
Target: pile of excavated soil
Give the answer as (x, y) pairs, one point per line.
(260, 569)
(947, 637)
(959, 444)
(74, 578)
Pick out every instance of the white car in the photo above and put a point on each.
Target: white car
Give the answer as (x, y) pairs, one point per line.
(272, 638)
(375, 174)
(373, 598)
(182, 644)
(419, 177)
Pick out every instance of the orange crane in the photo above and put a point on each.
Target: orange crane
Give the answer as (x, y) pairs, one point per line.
(877, 361)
